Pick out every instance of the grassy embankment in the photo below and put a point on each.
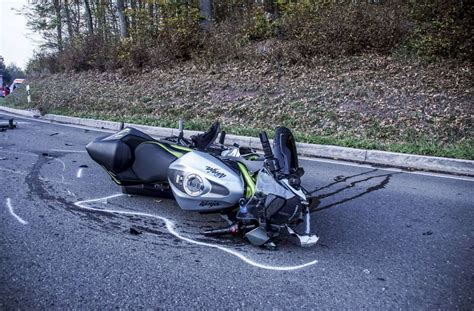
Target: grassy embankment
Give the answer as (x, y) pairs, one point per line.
(370, 102)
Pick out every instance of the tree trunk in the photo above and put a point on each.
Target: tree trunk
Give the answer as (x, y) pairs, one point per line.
(122, 20)
(205, 7)
(59, 30)
(70, 30)
(133, 22)
(77, 16)
(101, 19)
(90, 26)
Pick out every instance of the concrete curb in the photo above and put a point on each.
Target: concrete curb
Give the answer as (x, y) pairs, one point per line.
(24, 113)
(406, 161)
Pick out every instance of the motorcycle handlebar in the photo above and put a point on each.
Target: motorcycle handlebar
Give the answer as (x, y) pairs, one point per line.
(267, 149)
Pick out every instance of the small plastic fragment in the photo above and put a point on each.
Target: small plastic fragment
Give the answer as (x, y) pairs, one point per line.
(135, 231)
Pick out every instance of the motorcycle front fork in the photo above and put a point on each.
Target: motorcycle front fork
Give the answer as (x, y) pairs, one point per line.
(307, 238)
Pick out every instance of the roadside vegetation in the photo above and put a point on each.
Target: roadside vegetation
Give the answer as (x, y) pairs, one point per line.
(389, 75)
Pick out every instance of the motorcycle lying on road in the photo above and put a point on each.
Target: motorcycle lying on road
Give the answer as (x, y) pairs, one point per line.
(261, 196)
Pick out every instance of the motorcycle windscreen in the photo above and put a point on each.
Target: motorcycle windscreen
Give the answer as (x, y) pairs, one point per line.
(284, 149)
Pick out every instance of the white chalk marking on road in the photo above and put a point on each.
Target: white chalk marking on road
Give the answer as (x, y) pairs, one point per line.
(13, 171)
(64, 167)
(79, 173)
(171, 227)
(62, 163)
(10, 209)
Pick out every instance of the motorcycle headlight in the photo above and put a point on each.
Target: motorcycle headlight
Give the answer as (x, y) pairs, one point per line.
(193, 185)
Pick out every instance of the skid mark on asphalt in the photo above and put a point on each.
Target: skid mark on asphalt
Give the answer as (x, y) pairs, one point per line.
(10, 209)
(171, 227)
(383, 181)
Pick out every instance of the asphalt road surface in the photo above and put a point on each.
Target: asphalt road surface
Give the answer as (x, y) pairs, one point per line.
(388, 239)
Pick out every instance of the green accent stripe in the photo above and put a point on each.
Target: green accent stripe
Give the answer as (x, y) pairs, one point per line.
(181, 148)
(249, 183)
(112, 175)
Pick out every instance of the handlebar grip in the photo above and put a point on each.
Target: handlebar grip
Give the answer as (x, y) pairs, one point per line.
(222, 138)
(267, 149)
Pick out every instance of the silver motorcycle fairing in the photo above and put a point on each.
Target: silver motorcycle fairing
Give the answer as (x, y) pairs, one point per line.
(201, 182)
(267, 184)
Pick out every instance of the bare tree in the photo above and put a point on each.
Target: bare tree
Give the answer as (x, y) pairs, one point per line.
(122, 20)
(59, 31)
(68, 19)
(205, 7)
(90, 26)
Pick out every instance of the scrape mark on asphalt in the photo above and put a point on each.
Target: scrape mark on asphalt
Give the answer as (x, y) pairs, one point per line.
(10, 209)
(171, 227)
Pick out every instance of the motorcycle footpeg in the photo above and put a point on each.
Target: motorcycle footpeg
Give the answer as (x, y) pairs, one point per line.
(230, 230)
(303, 240)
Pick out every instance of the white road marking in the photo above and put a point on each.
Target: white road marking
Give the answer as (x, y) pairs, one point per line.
(391, 169)
(337, 162)
(60, 124)
(79, 173)
(68, 151)
(10, 209)
(20, 153)
(171, 227)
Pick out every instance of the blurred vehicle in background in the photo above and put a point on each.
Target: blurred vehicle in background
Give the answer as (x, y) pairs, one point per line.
(15, 84)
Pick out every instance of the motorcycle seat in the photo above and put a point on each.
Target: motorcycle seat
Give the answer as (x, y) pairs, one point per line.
(152, 162)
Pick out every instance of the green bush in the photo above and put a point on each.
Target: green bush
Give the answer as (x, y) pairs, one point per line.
(294, 32)
(339, 28)
(442, 29)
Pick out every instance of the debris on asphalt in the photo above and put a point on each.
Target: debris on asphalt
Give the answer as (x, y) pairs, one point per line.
(135, 231)
(158, 201)
(83, 166)
(366, 271)
(54, 134)
(3, 158)
(381, 279)
(428, 233)
(45, 154)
